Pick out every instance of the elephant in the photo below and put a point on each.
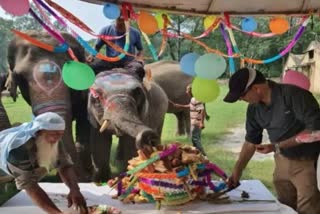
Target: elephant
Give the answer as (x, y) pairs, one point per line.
(37, 73)
(121, 104)
(169, 76)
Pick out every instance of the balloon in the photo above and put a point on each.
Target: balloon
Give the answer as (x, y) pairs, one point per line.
(15, 7)
(208, 21)
(249, 24)
(111, 11)
(147, 23)
(77, 75)
(160, 20)
(187, 63)
(279, 25)
(210, 66)
(205, 90)
(296, 78)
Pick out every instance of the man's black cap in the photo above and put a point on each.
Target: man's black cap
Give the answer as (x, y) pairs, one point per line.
(241, 81)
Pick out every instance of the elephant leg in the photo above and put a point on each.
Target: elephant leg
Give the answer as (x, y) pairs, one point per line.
(126, 150)
(100, 154)
(83, 144)
(180, 123)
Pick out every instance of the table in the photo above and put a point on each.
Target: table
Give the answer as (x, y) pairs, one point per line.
(261, 201)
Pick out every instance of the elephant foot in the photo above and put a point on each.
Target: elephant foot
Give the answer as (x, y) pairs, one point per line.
(85, 162)
(122, 165)
(101, 175)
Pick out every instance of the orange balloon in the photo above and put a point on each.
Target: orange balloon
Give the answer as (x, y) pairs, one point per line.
(278, 25)
(147, 23)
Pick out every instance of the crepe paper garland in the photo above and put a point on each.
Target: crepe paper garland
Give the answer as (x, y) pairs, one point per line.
(77, 75)
(249, 24)
(15, 7)
(279, 25)
(150, 46)
(210, 66)
(205, 90)
(77, 22)
(229, 47)
(296, 78)
(187, 63)
(160, 20)
(111, 11)
(147, 23)
(86, 45)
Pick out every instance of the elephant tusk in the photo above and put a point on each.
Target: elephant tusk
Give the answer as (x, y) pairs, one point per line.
(104, 126)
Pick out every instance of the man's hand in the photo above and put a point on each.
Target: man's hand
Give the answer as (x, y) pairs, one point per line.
(265, 148)
(76, 199)
(234, 180)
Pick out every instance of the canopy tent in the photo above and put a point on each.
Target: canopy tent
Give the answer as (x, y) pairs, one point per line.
(234, 7)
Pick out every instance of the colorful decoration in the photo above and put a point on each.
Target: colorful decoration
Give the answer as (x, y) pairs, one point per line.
(249, 24)
(77, 75)
(111, 11)
(210, 66)
(205, 90)
(279, 25)
(147, 23)
(47, 75)
(296, 78)
(15, 7)
(160, 20)
(208, 21)
(187, 63)
(174, 174)
(229, 47)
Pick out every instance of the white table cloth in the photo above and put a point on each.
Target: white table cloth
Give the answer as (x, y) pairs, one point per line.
(261, 201)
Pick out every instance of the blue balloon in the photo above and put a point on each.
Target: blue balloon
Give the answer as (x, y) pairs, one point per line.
(187, 63)
(249, 24)
(111, 11)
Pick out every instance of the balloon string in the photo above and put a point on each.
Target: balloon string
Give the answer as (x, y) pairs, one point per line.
(229, 47)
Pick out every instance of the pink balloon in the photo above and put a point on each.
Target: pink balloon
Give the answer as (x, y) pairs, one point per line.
(296, 78)
(15, 7)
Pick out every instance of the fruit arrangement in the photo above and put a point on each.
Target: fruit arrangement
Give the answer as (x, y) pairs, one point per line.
(174, 174)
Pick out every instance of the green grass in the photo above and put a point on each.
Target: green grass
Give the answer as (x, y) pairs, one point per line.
(223, 116)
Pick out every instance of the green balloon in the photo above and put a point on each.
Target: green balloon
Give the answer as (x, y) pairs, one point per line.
(205, 90)
(77, 75)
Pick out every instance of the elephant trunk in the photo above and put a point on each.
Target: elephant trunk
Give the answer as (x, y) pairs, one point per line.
(124, 118)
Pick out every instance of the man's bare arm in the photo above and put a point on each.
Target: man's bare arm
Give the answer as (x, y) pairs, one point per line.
(41, 199)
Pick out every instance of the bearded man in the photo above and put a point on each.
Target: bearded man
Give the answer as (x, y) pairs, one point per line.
(28, 152)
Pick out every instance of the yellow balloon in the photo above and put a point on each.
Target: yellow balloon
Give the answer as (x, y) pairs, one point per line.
(208, 21)
(147, 23)
(205, 90)
(160, 20)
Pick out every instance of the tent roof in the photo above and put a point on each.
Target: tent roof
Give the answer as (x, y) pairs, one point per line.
(234, 7)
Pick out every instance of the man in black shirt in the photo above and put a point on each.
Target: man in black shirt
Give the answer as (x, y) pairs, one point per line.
(284, 111)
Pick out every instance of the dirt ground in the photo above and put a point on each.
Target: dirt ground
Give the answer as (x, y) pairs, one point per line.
(234, 139)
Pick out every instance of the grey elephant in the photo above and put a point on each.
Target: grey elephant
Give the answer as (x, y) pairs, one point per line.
(37, 73)
(169, 76)
(120, 104)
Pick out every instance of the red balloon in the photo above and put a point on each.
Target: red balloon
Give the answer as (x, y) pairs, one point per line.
(296, 78)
